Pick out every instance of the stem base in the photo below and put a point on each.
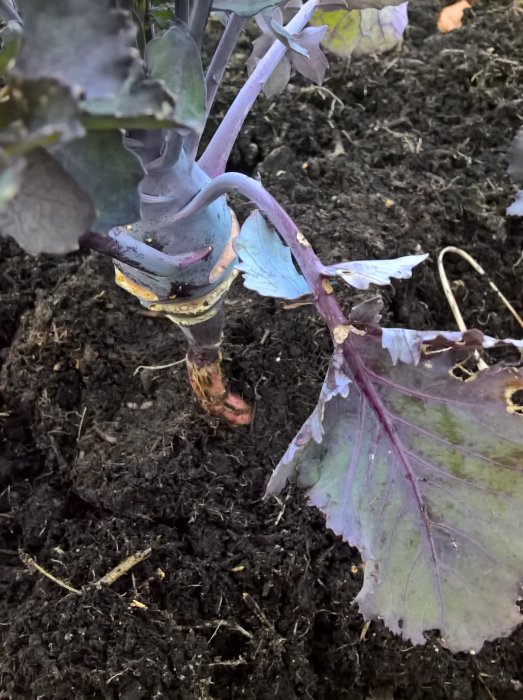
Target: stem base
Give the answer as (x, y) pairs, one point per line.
(211, 390)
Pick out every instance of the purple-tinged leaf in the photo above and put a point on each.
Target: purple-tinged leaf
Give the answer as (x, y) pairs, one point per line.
(315, 64)
(266, 262)
(111, 85)
(366, 31)
(245, 8)
(304, 56)
(55, 29)
(516, 208)
(423, 473)
(50, 211)
(98, 161)
(288, 39)
(362, 273)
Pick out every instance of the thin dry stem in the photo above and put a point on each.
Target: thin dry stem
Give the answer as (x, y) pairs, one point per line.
(123, 567)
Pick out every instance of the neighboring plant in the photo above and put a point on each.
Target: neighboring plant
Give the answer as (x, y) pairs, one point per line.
(413, 458)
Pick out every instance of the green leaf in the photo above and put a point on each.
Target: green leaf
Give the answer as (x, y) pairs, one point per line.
(11, 38)
(245, 8)
(174, 59)
(45, 112)
(141, 104)
(57, 34)
(163, 14)
(359, 32)
(98, 162)
(50, 211)
(111, 80)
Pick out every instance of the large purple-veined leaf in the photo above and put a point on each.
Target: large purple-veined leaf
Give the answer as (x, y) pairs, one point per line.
(365, 31)
(423, 473)
(266, 262)
(50, 211)
(362, 273)
(97, 162)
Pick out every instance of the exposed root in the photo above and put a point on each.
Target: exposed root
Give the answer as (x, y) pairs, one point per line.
(212, 392)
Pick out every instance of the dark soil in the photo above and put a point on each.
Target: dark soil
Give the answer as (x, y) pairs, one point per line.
(245, 598)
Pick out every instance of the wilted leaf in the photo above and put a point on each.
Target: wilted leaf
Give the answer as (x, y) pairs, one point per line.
(174, 59)
(266, 262)
(245, 8)
(362, 273)
(50, 211)
(423, 473)
(451, 17)
(362, 31)
(97, 162)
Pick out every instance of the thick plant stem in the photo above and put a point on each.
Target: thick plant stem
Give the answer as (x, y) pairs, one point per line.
(198, 21)
(310, 265)
(214, 74)
(216, 155)
(205, 372)
(119, 245)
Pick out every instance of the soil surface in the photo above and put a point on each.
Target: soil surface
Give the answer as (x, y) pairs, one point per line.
(99, 459)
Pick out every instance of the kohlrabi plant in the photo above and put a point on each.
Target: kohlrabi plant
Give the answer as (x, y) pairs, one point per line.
(413, 458)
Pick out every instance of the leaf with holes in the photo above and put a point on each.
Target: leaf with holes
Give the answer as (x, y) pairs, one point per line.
(423, 473)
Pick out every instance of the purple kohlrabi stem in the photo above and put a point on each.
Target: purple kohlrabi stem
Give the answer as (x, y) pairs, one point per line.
(216, 155)
(309, 263)
(121, 246)
(198, 21)
(215, 72)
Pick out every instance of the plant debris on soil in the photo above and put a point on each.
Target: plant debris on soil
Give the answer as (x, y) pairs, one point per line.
(102, 458)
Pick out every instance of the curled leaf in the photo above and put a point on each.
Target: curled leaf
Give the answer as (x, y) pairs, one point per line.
(362, 273)
(266, 262)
